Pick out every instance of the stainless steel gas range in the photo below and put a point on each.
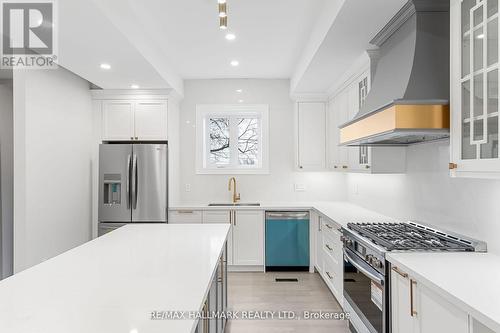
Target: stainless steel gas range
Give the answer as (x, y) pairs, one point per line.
(366, 272)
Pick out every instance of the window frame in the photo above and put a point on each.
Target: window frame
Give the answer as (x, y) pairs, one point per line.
(233, 111)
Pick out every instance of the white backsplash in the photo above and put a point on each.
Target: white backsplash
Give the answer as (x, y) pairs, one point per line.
(427, 193)
(277, 186)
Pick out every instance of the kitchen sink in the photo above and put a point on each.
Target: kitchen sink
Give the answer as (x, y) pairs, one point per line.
(252, 204)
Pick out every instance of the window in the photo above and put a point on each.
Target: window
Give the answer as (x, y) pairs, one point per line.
(232, 139)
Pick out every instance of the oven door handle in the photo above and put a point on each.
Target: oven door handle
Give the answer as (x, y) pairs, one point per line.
(363, 267)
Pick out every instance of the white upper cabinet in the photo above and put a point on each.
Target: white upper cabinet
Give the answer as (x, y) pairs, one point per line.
(118, 120)
(474, 93)
(134, 120)
(151, 120)
(344, 106)
(311, 136)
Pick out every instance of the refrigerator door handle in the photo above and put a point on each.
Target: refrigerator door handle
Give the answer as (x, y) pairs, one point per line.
(134, 182)
(128, 181)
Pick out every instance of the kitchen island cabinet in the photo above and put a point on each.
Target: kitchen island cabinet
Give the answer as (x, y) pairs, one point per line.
(125, 281)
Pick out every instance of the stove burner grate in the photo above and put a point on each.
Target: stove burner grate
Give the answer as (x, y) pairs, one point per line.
(404, 236)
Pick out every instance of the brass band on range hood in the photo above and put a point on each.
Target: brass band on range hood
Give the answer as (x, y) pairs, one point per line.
(402, 116)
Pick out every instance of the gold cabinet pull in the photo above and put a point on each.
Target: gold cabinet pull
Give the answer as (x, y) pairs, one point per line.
(185, 212)
(403, 274)
(329, 276)
(452, 166)
(328, 247)
(413, 312)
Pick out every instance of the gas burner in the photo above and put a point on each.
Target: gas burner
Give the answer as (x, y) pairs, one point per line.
(409, 237)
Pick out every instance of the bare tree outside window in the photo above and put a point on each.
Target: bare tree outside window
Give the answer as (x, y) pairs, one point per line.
(248, 141)
(219, 141)
(247, 149)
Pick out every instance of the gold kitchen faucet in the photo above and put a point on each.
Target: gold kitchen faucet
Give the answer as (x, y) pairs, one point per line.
(236, 197)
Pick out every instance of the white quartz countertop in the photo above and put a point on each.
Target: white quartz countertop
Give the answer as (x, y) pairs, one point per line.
(113, 283)
(341, 212)
(469, 280)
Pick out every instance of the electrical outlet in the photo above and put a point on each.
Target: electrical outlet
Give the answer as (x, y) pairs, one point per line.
(188, 187)
(356, 189)
(300, 187)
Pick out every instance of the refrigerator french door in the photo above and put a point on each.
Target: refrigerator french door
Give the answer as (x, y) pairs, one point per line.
(133, 184)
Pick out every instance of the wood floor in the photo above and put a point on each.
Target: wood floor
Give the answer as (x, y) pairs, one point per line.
(260, 292)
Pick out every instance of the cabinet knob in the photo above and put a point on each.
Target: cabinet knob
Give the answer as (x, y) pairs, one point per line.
(335, 167)
(344, 167)
(301, 167)
(131, 138)
(452, 166)
(367, 166)
(137, 138)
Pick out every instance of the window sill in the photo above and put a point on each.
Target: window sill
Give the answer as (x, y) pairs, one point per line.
(232, 172)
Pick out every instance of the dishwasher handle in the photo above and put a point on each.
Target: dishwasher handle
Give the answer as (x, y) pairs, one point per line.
(287, 215)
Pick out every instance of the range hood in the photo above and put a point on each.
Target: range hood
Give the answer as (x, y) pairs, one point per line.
(409, 99)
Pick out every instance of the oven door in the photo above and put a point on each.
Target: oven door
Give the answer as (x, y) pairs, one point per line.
(364, 289)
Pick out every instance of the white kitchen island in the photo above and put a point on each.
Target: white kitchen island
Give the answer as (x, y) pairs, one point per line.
(113, 284)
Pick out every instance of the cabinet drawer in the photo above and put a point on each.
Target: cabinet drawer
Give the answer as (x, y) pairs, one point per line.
(216, 216)
(331, 249)
(185, 216)
(333, 276)
(330, 229)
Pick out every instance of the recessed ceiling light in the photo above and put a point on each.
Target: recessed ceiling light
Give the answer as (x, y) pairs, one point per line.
(480, 36)
(105, 66)
(240, 101)
(235, 63)
(239, 90)
(230, 36)
(134, 86)
(221, 1)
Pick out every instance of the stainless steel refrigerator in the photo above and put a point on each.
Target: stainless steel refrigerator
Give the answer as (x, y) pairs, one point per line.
(133, 185)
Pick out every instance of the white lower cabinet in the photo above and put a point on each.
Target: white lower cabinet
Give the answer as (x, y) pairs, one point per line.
(329, 256)
(318, 242)
(416, 308)
(246, 239)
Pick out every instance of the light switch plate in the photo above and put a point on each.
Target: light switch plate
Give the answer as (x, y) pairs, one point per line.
(188, 187)
(300, 187)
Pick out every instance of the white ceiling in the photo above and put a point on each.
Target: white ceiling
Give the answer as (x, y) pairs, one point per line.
(269, 34)
(158, 43)
(87, 38)
(356, 23)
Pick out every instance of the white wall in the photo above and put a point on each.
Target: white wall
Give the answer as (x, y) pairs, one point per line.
(427, 193)
(52, 163)
(173, 150)
(6, 179)
(279, 184)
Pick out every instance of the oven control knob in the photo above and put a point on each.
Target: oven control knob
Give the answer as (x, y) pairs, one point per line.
(369, 258)
(377, 263)
(348, 242)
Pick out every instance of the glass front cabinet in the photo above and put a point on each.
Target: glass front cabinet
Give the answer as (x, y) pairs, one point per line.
(474, 88)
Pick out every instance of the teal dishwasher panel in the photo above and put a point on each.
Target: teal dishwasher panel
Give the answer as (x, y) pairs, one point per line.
(287, 242)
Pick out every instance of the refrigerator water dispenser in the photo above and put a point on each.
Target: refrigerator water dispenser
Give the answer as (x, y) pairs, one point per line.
(112, 189)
